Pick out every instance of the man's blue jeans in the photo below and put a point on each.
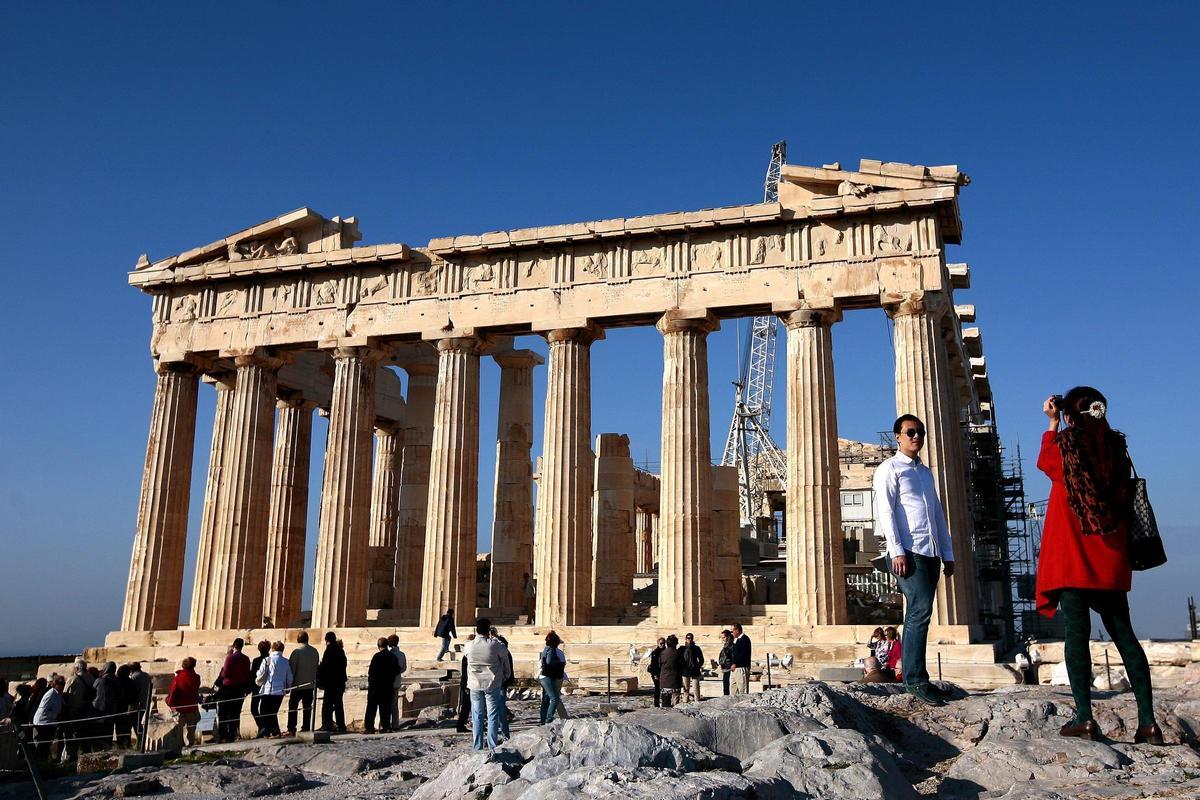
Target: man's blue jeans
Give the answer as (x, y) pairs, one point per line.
(492, 700)
(919, 588)
(445, 647)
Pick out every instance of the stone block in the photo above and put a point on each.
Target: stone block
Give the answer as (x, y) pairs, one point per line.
(132, 761)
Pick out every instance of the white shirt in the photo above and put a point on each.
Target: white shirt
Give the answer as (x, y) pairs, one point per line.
(907, 510)
(487, 664)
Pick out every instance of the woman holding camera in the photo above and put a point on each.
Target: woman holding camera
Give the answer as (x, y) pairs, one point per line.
(1084, 561)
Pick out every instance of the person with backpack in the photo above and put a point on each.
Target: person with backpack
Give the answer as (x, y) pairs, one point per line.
(445, 631)
(725, 659)
(693, 667)
(551, 672)
(670, 663)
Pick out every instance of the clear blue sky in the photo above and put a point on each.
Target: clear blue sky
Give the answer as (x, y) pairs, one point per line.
(128, 128)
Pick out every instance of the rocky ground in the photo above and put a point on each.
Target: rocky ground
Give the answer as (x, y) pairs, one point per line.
(810, 741)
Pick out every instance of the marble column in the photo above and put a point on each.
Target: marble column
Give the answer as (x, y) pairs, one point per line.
(816, 574)
(385, 495)
(213, 489)
(512, 521)
(452, 510)
(645, 540)
(922, 381)
(686, 563)
(727, 537)
(564, 513)
(612, 514)
(152, 596)
(239, 553)
(414, 485)
(340, 580)
(287, 525)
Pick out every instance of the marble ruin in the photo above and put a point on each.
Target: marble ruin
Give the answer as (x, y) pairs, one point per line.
(290, 317)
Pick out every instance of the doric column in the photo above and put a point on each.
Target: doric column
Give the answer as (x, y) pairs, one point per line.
(213, 489)
(155, 586)
(452, 510)
(612, 515)
(816, 574)
(385, 494)
(512, 521)
(239, 555)
(287, 524)
(414, 485)
(924, 388)
(727, 537)
(685, 564)
(340, 581)
(564, 513)
(644, 522)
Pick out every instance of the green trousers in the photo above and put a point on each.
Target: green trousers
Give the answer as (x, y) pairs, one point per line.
(1113, 608)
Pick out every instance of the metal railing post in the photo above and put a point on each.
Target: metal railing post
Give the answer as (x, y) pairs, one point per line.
(610, 681)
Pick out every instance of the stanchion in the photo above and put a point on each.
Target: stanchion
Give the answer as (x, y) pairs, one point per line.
(1107, 669)
(939, 666)
(768, 671)
(33, 770)
(610, 681)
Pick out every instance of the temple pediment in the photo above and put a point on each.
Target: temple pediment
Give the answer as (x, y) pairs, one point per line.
(295, 233)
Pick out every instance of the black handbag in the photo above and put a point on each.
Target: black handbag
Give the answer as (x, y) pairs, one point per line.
(1145, 545)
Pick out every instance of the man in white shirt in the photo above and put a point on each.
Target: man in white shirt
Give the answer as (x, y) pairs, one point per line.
(487, 669)
(910, 516)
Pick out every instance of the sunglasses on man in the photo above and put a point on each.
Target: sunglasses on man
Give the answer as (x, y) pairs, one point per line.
(913, 433)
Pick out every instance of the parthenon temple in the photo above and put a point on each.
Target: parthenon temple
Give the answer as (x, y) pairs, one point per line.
(291, 317)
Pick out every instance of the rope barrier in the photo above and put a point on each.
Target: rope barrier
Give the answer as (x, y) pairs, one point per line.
(204, 704)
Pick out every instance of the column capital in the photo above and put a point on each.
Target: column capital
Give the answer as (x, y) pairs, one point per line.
(899, 304)
(471, 345)
(584, 334)
(291, 398)
(165, 367)
(807, 316)
(366, 352)
(256, 357)
(389, 427)
(518, 359)
(419, 366)
(681, 320)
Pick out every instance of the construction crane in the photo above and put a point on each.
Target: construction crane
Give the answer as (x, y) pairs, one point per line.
(749, 446)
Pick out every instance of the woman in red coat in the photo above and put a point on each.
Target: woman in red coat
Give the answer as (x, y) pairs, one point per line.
(183, 697)
(1084, 564)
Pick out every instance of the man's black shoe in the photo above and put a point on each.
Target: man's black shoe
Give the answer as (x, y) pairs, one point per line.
(938, 691)
(924, 694)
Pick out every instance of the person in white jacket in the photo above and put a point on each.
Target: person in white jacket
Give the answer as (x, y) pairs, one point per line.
(274, 678)
(487, 669)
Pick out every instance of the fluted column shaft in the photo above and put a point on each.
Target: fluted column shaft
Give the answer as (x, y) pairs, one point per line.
(564, 513)
(924, 388)
(340, 582)
(152, 596)
(512, 520)
(287, 525)
(452, 510)
(816, 576)
(239, 555)
(385, 485)
(612, 514)
(686, 555)
(645, 540)
(385, 494)
(414, 485)
(214, 487)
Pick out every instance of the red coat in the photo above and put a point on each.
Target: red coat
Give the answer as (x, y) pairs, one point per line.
(184, 694)
(1069, 559)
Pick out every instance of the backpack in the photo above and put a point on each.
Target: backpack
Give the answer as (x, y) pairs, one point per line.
(402, 662)
(552, 668)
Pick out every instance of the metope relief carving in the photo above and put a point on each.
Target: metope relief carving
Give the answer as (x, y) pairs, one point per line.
(649, 261)
(709, 257)
(828, 242)
(374, 288)
(766, 249)
(186, 309)
(325, 292)
(893, 238)
(594, 264)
